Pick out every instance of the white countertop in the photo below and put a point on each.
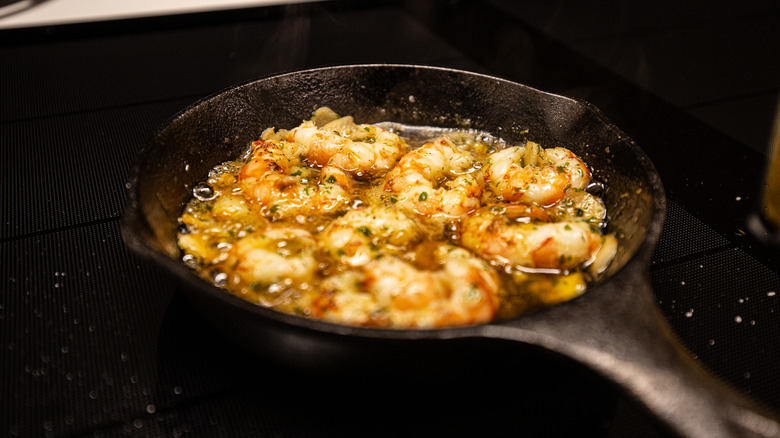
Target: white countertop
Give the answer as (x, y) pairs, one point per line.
(30, 13)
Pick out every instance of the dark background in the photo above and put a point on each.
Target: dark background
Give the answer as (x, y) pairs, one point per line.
(95, 343)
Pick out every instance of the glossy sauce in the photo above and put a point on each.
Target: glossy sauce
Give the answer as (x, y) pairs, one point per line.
(367, 262)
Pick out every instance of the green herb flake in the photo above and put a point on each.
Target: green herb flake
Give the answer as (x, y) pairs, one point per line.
(473, 293)
(423, 197)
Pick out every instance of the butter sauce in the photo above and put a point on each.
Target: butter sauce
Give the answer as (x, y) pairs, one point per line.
(412, 271)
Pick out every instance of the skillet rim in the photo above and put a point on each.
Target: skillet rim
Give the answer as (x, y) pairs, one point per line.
(133, 224)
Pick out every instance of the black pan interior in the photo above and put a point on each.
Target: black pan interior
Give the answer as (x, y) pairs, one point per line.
(220, 127)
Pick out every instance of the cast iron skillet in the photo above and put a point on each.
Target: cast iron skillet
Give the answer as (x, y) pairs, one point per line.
(614, 329)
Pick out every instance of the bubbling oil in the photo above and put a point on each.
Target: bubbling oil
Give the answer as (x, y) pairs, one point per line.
(219, 218)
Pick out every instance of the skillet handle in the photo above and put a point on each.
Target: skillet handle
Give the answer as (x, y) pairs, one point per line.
(620, 333)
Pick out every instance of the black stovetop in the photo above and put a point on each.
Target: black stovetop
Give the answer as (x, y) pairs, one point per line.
(93, 342)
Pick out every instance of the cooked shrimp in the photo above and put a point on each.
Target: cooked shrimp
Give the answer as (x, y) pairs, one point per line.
(363, 151)
(340, 221)
(272, 261)
(530, 244)
(282, 185)
(533, 175)
(319, 145)
(370, 159)
(365, 233)
(452, 287)
(436, 180)
(579, 205)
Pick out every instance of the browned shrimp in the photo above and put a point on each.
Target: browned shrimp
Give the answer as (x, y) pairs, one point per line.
(522, 242)
(277, 179)
(363, 151)
(366, 233)
(533, 175)
(436, 181)
(451, 286)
